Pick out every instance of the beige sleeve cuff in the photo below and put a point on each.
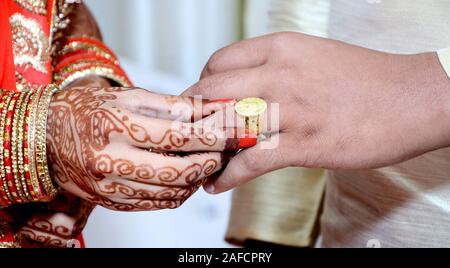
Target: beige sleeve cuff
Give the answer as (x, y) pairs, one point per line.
(282, 207)
(444, 57)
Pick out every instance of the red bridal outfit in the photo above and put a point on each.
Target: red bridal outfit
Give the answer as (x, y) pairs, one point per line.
(38, 56)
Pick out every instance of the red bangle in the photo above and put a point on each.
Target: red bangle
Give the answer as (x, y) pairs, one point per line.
(4, 201)
(7, 131)
(26, 160)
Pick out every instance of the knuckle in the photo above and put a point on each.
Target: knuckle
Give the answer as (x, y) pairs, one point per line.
(213, 64)
(138, 92)
(280, 40)
(281, 46)
(204, 89)
(252, 164)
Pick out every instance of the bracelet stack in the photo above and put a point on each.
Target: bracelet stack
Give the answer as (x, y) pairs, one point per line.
(81, 57)
(24, 175)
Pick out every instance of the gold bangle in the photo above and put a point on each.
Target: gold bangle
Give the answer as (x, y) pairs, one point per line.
(31, 142)
(14, 148)
(40, 142)
(21, 146)
(26, 145)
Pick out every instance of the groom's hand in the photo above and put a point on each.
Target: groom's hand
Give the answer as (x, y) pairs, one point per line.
(341, 106)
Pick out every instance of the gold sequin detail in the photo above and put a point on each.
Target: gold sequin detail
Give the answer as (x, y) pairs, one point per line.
(10, 245)
(15, 244)
(23, 85)
(60, 18)
(34, 6)
(30, 44)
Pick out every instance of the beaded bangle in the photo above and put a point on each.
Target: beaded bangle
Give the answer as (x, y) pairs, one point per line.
(21, 131)
(26, 151)
(31, 137)
(7, 152)
(15, 148)
(40, 142)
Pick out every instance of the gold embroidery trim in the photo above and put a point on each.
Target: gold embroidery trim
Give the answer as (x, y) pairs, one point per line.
(35, 6)
(30, 44)
(14, 244)
(98, 71)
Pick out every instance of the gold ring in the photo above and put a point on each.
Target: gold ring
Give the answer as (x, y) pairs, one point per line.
(252, 109)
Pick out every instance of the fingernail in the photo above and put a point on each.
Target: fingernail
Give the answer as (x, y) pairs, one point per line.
(247, 140)
(223, 100)
(209, 188)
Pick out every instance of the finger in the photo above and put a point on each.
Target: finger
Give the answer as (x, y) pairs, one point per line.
(128, 190)
(173, 136)
(269, 122)
(146, 205)
(40, 238)
(55, 229)
(237, 84)
(250, 164)
(130, 195)
(153, 169)
(245, 54)
(184, 109)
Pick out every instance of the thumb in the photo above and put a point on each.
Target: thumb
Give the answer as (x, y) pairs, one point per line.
(265, 157)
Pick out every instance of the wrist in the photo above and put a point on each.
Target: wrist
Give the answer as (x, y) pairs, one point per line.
(432, 85)
(23, 159)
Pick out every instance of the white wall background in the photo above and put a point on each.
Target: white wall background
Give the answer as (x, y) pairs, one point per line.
(163, 45)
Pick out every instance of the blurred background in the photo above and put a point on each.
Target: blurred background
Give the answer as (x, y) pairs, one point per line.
(163, 45)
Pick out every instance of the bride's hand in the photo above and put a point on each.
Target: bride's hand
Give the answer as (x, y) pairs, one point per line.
(131, 150)
(53, 224)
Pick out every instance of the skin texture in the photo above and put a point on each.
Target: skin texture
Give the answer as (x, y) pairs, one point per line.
(98, 142)
(341, 106)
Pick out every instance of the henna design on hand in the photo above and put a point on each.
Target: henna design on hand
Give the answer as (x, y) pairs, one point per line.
(88, 156)
(52, 224)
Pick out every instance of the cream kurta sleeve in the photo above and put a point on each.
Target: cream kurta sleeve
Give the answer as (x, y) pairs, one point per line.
(283, 207)
(444, 57)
